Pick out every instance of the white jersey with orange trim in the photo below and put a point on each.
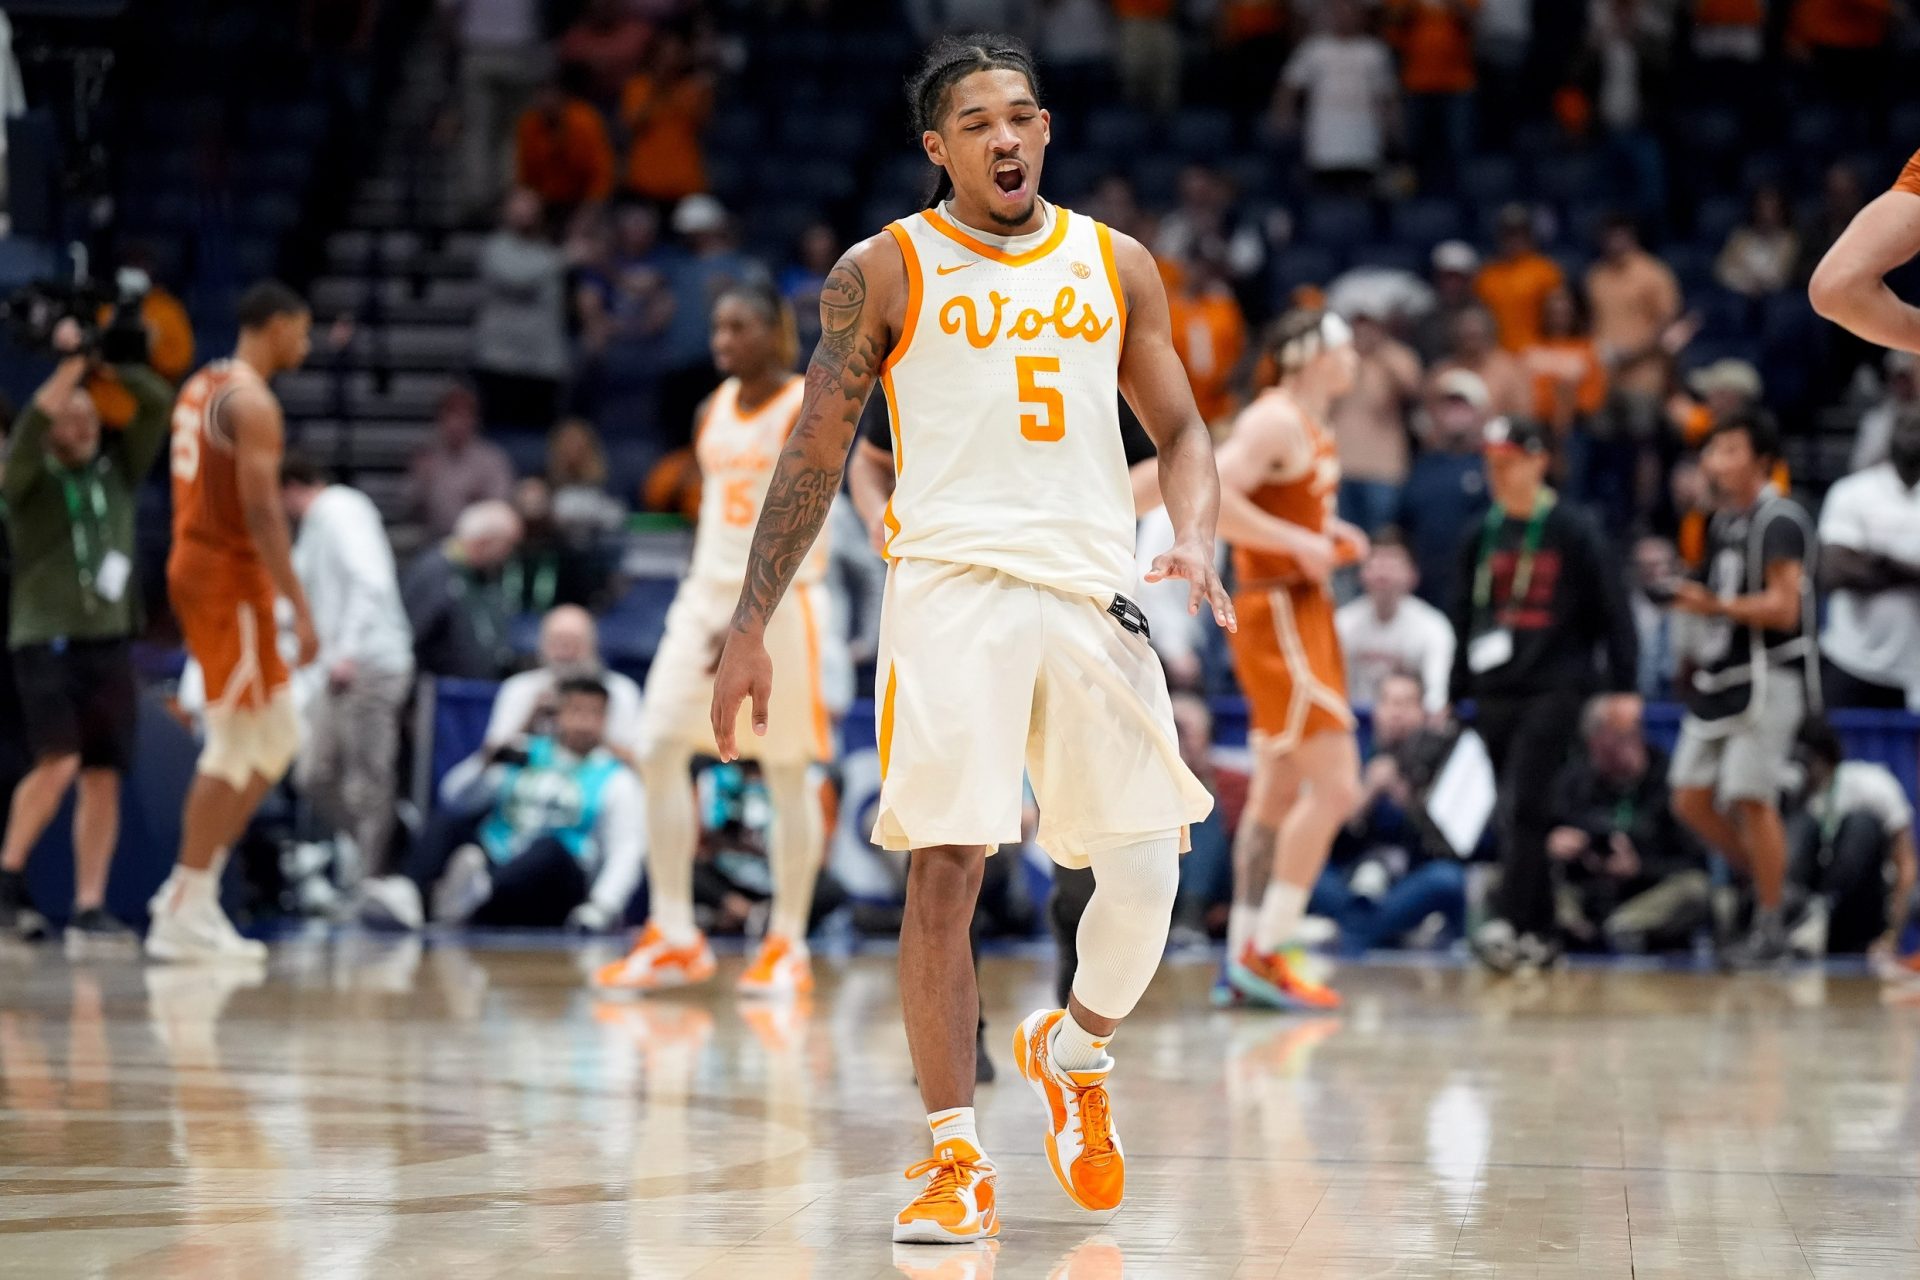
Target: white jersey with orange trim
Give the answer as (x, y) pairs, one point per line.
(737, 451)
(1003, 396)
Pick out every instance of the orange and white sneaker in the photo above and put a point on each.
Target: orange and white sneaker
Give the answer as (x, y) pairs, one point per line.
(957, 1206)
(780, 970)
(655, 964)
(1081, 1143)
(1275, 980)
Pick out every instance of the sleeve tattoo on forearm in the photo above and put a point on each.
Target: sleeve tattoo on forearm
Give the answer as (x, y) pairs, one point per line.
(807, 476)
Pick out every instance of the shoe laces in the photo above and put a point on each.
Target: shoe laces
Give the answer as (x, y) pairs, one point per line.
(1096, 1122)
(951, 1173)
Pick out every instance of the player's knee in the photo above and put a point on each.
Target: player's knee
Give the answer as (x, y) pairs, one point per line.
(1343, 795)
(59, 770)
(1139, 882)
(942, 883)
(1693, 805)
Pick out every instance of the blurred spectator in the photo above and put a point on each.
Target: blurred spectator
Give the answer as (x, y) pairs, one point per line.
(711, 265)
(1649, 592)
(499, 60)
(1851, 845)
(525, 705)
(458, 468)
(1370, 425)
(1113, 202)
(520, 329)
(560, 842)
(1692, 503)
(1389, 631)
(452, 596)
(583, 509)
(663, 111)
(1435, 42)
(548, 568)
(1870, 565)
(1388, 875)
(1075, 42)
(561, 152)
(1149, 53)
(1455, 265)
(1631, 877)
(1762, 253)
(606, 44)
(348, 766)
(1841, 198)
(1569, 380)
(1206, 872)
(1475, 350)
(1209, 332)
(1338, 91)
(1205, 219)
(1729, 42)
(1250, 45)
(1901, 394)
(1845, 45)
(1627, 69)
(1446, 489)
(1633, 298)
(1515, 286)
(800, 284)
(1503, 43)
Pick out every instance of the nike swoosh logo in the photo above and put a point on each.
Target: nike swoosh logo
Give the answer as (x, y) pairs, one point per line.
(947, 271)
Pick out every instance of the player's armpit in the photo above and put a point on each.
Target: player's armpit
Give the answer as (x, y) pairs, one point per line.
(1849, 286)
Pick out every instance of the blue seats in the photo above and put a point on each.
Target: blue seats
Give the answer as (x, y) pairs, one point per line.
(1569, 177)
(1119, 132)
(1391, 257)
(1156, 179)
(1299, 264)
(1814, 131)
(1716, 217)
(1424, 221)
(1490, 180)
(1710, 131)
(1337, 222)
(832, 133)
(1201, 134)
(1725, 315)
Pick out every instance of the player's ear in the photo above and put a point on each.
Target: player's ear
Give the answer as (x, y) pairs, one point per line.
(1046, 125)
(935, 146)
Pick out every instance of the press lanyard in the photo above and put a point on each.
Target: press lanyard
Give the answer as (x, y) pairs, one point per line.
(86, 523)
(1523, 566)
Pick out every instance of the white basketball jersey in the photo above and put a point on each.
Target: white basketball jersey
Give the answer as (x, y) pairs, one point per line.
(736, 452)
(1004, 396)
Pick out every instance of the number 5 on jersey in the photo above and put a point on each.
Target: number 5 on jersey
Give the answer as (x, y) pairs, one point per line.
(1033, 426)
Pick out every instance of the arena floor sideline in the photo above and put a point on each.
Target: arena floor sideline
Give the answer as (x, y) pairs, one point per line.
(369, 1107)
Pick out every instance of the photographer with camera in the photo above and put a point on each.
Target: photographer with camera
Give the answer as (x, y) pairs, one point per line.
(70, 491)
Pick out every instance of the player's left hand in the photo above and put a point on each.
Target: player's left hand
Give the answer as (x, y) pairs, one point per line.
(1350, 539)
(745, 671)
(1193, 561)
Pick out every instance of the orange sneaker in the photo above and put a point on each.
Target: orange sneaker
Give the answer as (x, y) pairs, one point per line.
(1275, 981)
(1081, 1143)
(957, 1206)
(780, 970)
(654, 964)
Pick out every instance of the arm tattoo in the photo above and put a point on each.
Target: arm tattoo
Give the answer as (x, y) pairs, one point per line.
(807, 476)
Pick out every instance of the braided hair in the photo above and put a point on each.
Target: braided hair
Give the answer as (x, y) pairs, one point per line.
(950, 60)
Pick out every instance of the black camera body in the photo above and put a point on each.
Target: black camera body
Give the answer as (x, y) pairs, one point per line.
(31, 314)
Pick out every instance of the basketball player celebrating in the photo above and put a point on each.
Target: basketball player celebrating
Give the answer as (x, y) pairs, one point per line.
(1850, 285)
(742, 428)
(231, 554)
(1002, 328)
(1279, 476)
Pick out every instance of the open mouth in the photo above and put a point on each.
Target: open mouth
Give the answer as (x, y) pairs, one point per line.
(1011, 177)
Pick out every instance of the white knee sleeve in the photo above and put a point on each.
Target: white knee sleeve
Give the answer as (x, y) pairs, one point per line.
(245, 741)
(1124, 930)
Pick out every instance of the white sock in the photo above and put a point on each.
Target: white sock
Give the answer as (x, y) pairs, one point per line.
(1280, 913)
(191, 886)
(795, 848)
(1242, 919)
(1074, 1048)
(672, 832)
(1123, 932)
(954, 1122)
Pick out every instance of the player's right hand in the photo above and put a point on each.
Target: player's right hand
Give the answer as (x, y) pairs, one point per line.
(305, 638)
(1316, 557)
(745, 671)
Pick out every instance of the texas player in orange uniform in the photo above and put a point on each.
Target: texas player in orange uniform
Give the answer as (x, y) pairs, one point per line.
(231, 556)
(1850, 285)
(1278, 478)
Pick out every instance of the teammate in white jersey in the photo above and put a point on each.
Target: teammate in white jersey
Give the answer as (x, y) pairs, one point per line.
(741, 430)
(1003, 329)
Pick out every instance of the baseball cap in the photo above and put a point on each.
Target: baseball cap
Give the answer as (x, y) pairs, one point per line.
(1464, 384)
(1727, 375)
(1455, 255)
(1521, 434)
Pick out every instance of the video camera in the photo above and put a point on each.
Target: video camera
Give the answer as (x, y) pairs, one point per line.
(30, 315)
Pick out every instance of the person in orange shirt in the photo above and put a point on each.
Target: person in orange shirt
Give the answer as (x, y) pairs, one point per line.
(1209, 332)
(1850, 285)
(1569, 378)
(1515, 286)
(664, 109)
(1434, 39)
(561, 150)
(1846, 46)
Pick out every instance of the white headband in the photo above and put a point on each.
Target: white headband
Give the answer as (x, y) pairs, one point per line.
(1331, 334)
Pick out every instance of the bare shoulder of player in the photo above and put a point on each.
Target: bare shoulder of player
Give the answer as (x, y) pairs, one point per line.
(864, 299)
(252, 414)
